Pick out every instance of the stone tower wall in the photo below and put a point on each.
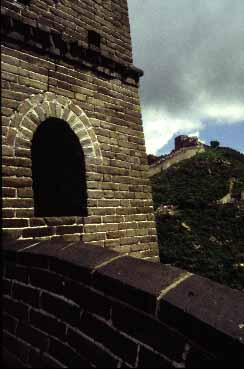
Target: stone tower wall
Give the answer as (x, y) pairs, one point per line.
(73, 18)
(186, 141)
(45, 76)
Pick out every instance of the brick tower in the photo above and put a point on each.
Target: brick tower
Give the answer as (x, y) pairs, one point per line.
(74, 159)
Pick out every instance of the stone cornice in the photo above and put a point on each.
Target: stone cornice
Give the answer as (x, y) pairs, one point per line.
(40, 39)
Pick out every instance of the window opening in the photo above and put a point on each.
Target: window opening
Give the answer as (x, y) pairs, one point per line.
(94, 39)
(58, 171)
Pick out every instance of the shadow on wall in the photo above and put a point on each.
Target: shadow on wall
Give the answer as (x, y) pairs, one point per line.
(58, 170)
(78, 306)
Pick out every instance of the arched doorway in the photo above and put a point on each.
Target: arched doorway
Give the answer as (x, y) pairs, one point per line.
(58, 171)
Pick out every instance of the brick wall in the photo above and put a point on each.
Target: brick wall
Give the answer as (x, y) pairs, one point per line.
(73, 18)
(75, 305)
(48, 71)
(186, 141)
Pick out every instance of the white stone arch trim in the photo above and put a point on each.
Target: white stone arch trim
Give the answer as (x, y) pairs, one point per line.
(37, 108)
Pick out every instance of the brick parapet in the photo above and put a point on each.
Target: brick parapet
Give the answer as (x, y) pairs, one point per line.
(76, 304)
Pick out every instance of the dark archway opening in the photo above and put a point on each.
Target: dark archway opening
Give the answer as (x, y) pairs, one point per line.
(58, 171)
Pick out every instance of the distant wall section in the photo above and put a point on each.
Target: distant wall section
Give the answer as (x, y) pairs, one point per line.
(174, 158)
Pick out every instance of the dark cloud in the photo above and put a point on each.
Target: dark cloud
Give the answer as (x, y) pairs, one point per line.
(192, 52)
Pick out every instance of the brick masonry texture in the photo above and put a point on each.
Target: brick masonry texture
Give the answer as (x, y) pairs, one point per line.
(73, 18)
(106, 315)
(50, 71)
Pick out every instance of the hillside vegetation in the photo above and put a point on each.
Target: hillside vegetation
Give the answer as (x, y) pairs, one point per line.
(201, 236)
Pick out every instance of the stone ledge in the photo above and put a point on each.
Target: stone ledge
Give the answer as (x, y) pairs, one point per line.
(207, 311)
(135, 281)
(210, 316)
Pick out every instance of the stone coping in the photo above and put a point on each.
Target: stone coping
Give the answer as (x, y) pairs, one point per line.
(204, 311)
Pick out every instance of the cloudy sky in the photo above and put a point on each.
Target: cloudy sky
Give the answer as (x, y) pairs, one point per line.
(192, 53)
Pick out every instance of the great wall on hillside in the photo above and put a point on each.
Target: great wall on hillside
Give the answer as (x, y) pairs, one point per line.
(185, 148)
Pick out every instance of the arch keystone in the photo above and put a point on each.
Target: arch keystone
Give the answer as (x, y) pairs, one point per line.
(50, 96)
(36, 99)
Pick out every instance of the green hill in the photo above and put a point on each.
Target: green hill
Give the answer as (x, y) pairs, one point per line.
(200, 235)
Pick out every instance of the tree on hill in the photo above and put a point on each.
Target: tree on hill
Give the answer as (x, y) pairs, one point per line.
(214, 144)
